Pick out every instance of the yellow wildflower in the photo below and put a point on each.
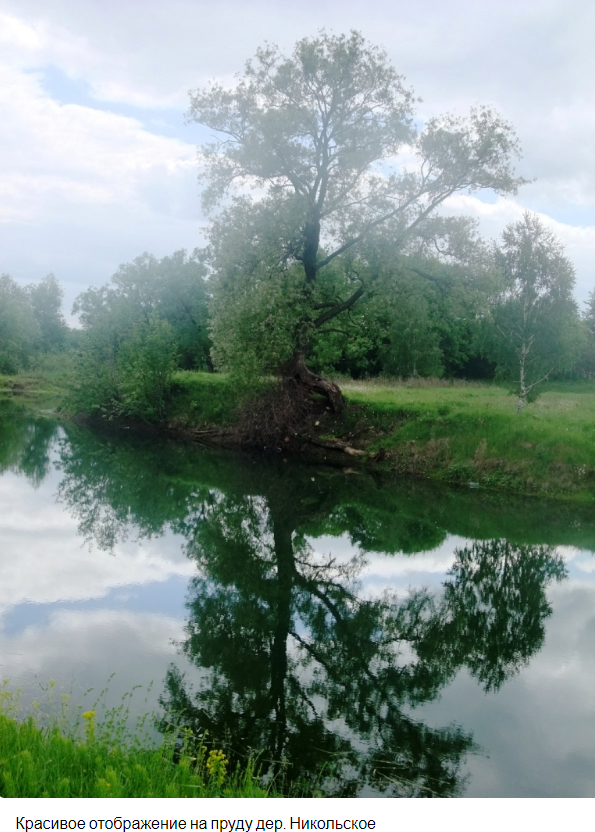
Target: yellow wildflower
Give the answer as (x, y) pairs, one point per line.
(217, 764)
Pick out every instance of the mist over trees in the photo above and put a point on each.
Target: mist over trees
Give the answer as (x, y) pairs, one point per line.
(150, 321)
(329, 252)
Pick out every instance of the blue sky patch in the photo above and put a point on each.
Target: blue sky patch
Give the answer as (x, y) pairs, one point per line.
(165, 598)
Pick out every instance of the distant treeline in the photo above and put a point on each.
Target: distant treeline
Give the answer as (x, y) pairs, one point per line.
(425, 317)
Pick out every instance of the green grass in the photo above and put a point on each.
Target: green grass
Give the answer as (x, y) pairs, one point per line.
(66, 754)
(458, 432)
(207, 399)
(198, 399)
(473, 433)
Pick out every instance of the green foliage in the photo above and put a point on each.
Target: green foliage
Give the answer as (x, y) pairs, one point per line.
(46, 301)
(423, 313)
(31, 322)
(147, 362)
(19, 328)
(130, 377)
(585, 367)
(312, 132)
(495, 606)
(254, 320)
(25, 443)
(172, 289)
(412, 342)
(138, 332)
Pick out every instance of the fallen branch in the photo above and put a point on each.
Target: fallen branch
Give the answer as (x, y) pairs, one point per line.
(336, 445)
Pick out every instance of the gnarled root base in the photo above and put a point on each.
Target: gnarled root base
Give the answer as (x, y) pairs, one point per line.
(275, 419)
(296, 371)
(288, 410)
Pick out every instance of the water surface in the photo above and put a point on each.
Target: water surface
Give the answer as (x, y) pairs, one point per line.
(367, 637)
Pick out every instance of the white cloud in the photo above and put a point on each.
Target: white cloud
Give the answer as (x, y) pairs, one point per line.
(585, 565)
(82, 189)
(493, 217)
(75, 156)
(83, 650)
(45, 560)
(30, 42)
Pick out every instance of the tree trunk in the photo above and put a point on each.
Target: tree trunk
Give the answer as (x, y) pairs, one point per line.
(282, 533)
(296, 369)
(310, 250)
(522, 385)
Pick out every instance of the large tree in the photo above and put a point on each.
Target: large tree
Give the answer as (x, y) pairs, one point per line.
(326, 140)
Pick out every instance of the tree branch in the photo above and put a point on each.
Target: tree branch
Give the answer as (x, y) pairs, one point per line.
(328, 304)
(342, 307)
(441, 282)
(384, 218)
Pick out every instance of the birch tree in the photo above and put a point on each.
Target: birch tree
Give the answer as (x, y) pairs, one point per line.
(534, 321)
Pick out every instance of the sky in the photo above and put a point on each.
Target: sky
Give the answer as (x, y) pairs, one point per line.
(97, 165)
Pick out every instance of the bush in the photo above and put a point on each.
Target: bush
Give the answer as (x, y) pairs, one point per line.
(130, 377)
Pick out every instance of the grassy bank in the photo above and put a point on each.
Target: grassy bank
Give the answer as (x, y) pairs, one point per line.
(461, 433)
(57, 756)
(44, 388)
(473, 434)
(205, 400)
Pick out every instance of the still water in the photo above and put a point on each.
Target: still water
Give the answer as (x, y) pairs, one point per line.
(368, 637)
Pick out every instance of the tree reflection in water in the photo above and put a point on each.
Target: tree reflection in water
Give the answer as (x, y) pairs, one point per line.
(320, 677)
(300, 661)
(25, 442)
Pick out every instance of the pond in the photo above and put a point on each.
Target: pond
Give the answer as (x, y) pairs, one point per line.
(367, 637)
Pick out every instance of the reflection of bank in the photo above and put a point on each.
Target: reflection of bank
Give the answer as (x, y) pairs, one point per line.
(291, 644)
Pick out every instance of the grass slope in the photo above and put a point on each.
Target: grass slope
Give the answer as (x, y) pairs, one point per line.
(472, 433)
(462, 433)
(44, 763)
(42, 389)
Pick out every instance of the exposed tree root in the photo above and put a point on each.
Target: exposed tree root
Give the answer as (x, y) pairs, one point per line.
(297, 371)
(279, 417)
